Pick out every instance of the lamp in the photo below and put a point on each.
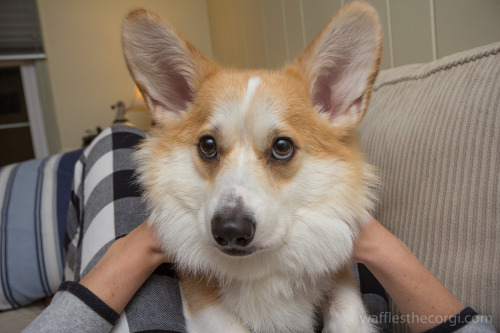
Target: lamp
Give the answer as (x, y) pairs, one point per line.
(137, 104)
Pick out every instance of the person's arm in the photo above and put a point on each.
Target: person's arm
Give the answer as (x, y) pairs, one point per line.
(124, 267)
(94, 304)
(415, 291)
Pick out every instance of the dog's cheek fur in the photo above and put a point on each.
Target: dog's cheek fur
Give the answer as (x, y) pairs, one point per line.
(330, 209)
(176, 180)
(174, 192)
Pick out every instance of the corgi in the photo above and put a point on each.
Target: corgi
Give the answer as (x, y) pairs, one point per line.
(254, 179)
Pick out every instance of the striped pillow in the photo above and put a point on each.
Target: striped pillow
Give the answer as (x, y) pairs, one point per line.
(34, 199)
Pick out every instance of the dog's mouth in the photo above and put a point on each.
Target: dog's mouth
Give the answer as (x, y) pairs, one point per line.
(237, 252)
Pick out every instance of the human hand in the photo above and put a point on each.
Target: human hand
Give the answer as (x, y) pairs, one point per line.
(144, 240)
(125, 266)
(370, 237)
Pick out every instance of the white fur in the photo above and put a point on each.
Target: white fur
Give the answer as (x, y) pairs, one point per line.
(253, 83)
(345, 309)
(215, 318)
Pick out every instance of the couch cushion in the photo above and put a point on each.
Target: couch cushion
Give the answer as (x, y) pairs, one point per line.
(14, 321)
(433, 131)
(34, 201)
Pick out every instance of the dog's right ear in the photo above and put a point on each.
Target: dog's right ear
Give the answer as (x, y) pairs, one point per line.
(165, 66)
(341, 64)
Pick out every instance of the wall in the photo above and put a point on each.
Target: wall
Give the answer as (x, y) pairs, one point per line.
(87, 73)
(266, 33)
(85, 64)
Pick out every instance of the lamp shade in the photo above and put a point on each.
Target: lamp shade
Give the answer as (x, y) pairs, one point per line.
(138, 103)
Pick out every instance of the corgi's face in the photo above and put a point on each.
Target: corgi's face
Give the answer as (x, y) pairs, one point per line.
(248, 172)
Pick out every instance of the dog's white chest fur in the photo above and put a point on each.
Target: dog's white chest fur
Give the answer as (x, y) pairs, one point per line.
(281, 304)
(274, 304)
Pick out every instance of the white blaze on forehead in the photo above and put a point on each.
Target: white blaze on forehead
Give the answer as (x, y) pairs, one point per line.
(231, 114)
(252, 85)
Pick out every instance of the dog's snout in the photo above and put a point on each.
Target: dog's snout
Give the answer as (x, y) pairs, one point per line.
(229, 229)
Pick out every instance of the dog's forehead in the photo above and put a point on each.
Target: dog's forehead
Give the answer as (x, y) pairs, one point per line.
(252, 109)
(248, 104)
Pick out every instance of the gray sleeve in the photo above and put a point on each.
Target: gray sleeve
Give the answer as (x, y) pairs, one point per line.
(467, 321)
(478, 323)
(74, 309)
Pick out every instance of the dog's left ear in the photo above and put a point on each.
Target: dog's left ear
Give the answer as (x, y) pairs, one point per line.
(342, 63)
(165, 66)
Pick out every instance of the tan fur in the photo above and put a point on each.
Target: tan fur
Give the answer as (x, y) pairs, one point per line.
(199, 292)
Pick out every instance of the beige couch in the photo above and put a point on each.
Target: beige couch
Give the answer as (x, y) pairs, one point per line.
(433, 131)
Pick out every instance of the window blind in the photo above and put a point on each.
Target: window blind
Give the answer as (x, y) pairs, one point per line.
(20, 33)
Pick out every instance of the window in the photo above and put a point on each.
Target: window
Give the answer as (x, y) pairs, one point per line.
(22, 132)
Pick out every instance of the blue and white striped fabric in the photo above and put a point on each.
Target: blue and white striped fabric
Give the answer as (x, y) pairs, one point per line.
(34, 200)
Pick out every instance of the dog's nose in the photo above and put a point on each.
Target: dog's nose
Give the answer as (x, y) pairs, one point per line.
(233, 229)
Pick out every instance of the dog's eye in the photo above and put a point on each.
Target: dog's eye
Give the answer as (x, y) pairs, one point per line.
(283, 149)
(207, 147)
